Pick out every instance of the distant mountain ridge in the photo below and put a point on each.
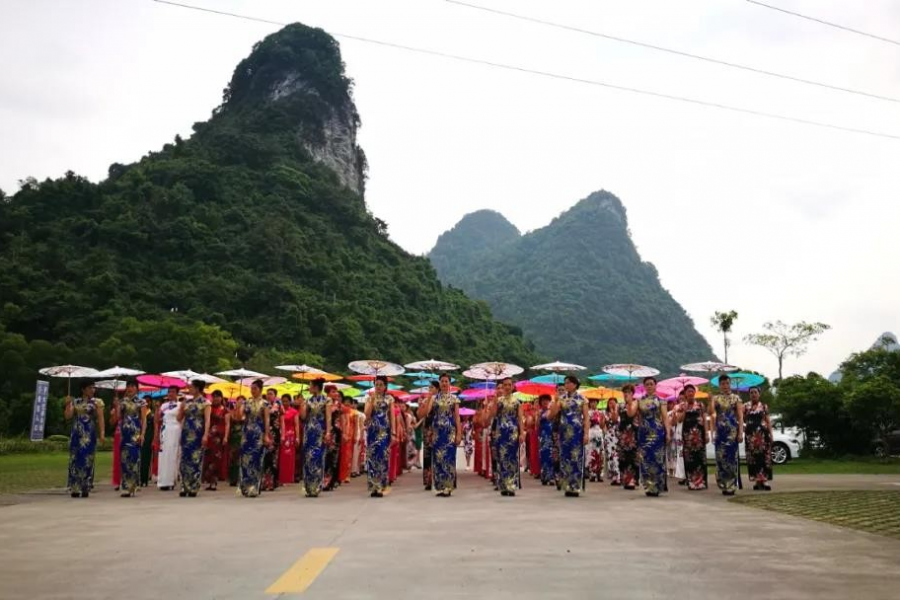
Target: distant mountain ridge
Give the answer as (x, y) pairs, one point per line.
(886, 341)
(577, 287)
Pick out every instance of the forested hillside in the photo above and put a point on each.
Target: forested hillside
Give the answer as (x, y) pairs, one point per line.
(248, 243)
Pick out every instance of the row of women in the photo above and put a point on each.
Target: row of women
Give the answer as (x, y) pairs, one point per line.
(628, 446)
(256, 443)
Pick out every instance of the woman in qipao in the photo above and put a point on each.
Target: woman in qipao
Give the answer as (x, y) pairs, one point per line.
(132, 419)
(194, 417)
(380, 424)
(444, 407)
(86, 414)
(574, 425)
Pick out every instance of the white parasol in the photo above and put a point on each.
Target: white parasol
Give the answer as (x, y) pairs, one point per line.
(207, 378)
(183, 374)
(110, 384)
(431, 365)
(559, 367)
(267, 382)
(631, 370)
(238, 374)
(493, 371)
(299, 369)
(709, 367)
(69, 371)
(376, 367)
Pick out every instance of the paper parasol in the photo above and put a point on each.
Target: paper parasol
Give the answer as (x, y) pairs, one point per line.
(493, 371)
(631, 370)
(375, 367)
(559, 367)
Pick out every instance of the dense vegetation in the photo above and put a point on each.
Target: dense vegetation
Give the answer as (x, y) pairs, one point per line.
(232, 247)
(853, 415)
(577, 287)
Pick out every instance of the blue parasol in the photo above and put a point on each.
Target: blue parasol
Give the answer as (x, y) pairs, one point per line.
(741, 381)
(608, 377)
(551, 378)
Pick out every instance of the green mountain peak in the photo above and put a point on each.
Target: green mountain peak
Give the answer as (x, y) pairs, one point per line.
(577, 287)
(250, 242)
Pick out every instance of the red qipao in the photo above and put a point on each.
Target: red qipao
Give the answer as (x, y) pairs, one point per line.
(348, 438)
(287, 454)
(534, 451)
(216, 446)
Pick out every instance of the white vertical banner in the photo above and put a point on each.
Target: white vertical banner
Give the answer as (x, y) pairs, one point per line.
(39, 414)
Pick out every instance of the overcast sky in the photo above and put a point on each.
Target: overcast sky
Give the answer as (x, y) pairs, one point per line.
(775, 220)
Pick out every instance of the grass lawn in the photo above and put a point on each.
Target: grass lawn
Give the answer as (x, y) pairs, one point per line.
(815, 466)
(25, 472)
(873, 511)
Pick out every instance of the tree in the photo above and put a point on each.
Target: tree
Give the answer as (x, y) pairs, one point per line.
(723, 321)
(784, 340)
(876, 401)
(817, 406)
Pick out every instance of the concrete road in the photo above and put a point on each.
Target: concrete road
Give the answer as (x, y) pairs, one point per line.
(607, 544)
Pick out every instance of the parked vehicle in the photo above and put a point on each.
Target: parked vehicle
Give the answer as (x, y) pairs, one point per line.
(786, 443)
(890, 448)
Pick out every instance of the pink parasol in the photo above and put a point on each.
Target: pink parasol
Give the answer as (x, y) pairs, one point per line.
(160, 381)
(466, 412)
(476, 394)
(678, 383)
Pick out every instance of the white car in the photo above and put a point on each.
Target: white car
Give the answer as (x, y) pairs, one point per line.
(786, 443)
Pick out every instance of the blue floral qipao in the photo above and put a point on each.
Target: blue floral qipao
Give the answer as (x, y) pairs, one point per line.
(507, 443)
(253, 432)
(545, 442)
(314, 445)
(83, 444)
(652, 444)
(192, 430)
(571, 442)
(444, 449)
(378, 443)
(727, 459)
(130, 410)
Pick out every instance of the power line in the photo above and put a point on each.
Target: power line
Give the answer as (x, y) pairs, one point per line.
(828, 23)
(681, 53)
(518, 69)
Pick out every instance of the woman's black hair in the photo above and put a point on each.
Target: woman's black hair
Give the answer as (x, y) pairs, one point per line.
(199, 385)
(628, 387)
(724, 377)
(172, 387)
(444, 375)
(435, 384)
(131, 382)
(286, 397)
(217, 394)
(318, 383)
(755, 387)
(690, 385)
(649, 378)
(573, 379)
(85, 384)
(273, 390)
(543, 397)
(611, 400)
(383, 379)
(258, 383)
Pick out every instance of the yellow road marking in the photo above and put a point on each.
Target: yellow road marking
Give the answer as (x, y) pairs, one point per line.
(301, 575)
